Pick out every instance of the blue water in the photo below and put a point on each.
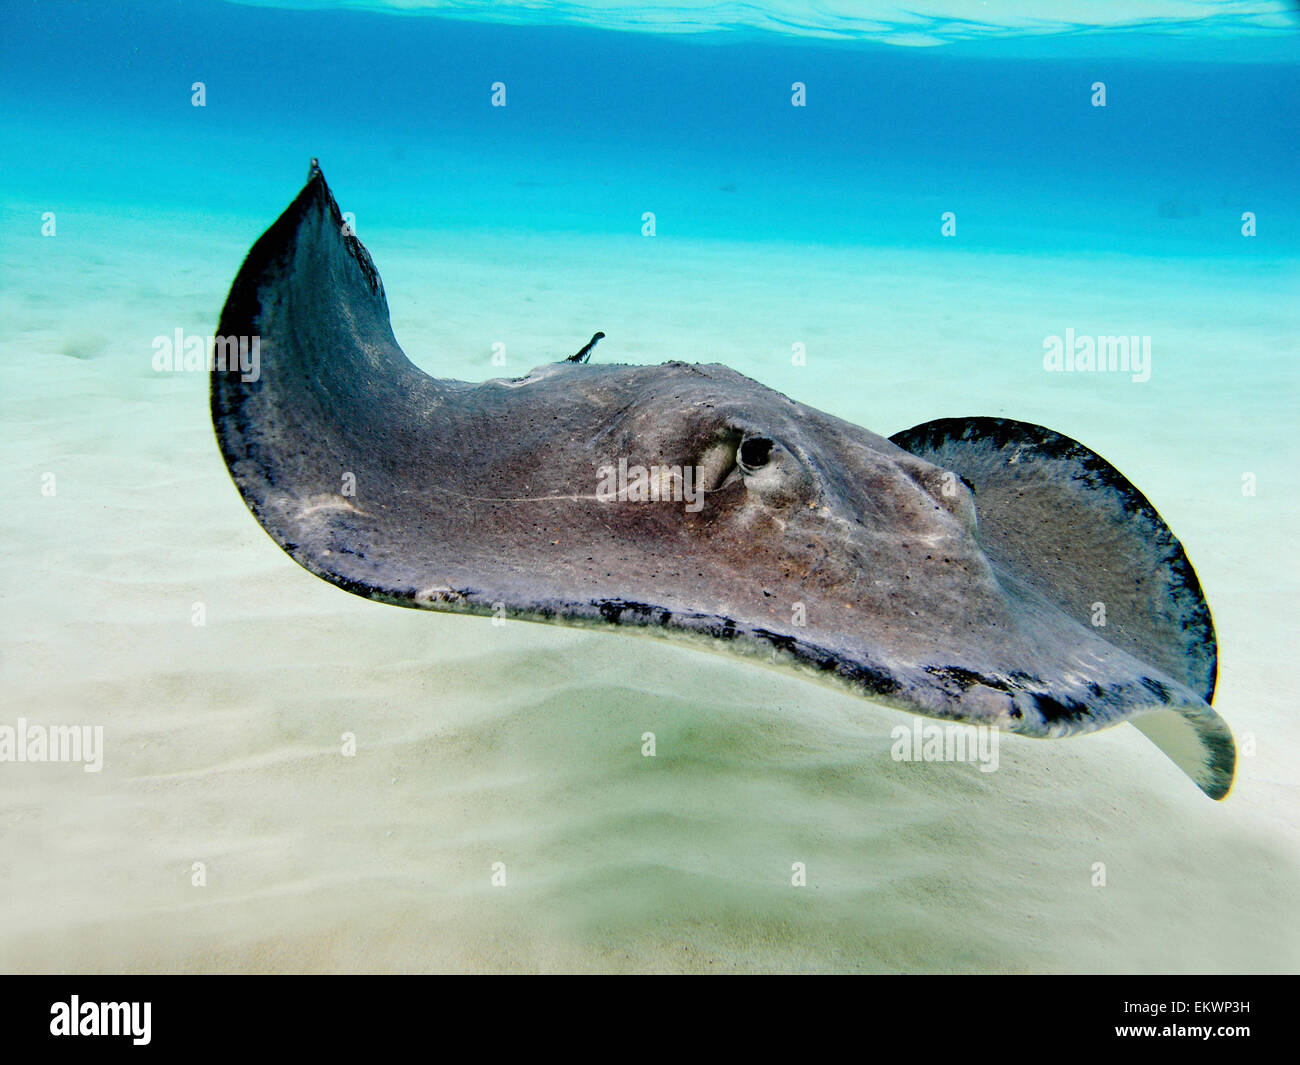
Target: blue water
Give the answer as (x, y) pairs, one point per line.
(602, 125)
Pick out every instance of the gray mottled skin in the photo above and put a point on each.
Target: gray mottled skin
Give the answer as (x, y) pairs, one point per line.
(917, 592)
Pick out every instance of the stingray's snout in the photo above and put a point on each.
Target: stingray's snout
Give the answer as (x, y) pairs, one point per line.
(947, 488)
(879, 487)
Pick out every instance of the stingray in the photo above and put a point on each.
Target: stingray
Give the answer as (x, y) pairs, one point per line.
(976, 570)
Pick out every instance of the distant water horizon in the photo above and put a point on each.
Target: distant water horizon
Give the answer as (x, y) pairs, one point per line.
(886, 140)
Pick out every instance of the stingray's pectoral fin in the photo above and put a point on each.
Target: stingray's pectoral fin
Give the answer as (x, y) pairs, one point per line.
(1059, 518)
(318, 436)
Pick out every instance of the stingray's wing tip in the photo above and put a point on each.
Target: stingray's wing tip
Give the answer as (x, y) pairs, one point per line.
(1198, 741)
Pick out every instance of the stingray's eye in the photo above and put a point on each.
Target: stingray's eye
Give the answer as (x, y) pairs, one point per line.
(754, 453)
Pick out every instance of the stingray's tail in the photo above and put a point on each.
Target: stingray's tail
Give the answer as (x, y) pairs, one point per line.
(1065, 521)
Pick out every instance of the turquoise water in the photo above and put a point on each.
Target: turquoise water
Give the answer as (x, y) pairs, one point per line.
(601, 125)
(819, 226)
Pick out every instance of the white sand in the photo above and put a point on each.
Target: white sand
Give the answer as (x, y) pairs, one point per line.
(521, 744)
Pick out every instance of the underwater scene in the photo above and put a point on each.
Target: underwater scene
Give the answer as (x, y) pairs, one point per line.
(883, 406)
